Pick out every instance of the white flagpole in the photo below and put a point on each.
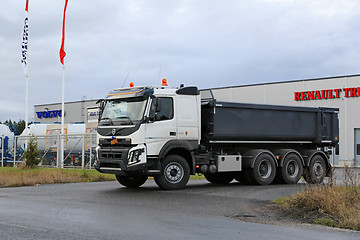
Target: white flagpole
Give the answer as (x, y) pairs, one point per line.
(62, 119)
(24, 63)
(62, 54)
(26, 104)
(26, 100)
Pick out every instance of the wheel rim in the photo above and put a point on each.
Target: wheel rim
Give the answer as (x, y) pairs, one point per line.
(174, 172)
(318, 169)
(265, 169)
(292, 168)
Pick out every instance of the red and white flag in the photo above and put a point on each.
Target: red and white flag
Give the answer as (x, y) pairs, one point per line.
(62, 48)
(25, 38)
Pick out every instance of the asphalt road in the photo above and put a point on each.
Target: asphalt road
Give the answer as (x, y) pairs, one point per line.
(108, 211)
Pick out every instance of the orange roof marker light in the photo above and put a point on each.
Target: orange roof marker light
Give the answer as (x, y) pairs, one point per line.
(131, 84)
(164, 82)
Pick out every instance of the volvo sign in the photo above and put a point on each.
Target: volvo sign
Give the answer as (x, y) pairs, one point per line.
(49, 114)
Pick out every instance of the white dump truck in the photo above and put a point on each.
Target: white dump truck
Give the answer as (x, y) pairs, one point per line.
(172, 133)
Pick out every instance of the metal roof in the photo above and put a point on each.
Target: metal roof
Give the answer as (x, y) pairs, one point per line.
(287, 81)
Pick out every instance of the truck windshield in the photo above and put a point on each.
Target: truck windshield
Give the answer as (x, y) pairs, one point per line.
(125, 110)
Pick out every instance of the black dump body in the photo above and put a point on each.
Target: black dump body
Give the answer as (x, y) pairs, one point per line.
(227, 121)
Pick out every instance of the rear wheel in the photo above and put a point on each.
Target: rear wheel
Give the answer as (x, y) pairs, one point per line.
(132, 181)
(264, 170)
(316, 171)
(174, 173)
(291, 171)
(220, 178)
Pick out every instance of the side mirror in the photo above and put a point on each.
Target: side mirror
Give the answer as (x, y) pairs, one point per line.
(101, 107)
(337, 149)
(99, 101)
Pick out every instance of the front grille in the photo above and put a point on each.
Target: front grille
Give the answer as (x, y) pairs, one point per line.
(115, 154)
(111, 155)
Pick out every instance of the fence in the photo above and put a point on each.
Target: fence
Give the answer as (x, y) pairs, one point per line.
(79, 150)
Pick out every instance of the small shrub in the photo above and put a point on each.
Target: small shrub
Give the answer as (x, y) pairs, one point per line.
(31, 154)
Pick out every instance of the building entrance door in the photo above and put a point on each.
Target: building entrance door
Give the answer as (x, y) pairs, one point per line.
(357, 147)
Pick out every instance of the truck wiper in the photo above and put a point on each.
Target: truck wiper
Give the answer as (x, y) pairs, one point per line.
(108, 119)
(126, 118)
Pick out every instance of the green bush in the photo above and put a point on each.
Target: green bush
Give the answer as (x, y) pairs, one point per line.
(31, 154)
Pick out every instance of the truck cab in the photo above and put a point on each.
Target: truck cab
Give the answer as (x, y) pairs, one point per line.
(139, 127)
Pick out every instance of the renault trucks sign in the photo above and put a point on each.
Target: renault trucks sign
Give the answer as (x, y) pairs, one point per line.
(327, 94)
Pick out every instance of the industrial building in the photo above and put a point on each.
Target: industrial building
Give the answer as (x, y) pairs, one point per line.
(75, 112)
(341, 92)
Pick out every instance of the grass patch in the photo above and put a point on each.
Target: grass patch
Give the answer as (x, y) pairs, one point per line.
(16, 177)
(281, 200)
(328, 204)
(325, 222)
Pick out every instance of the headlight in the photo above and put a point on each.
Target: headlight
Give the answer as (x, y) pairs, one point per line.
(97, 149)
(134, 156)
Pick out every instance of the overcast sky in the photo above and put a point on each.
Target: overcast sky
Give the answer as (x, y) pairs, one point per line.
(207, 43)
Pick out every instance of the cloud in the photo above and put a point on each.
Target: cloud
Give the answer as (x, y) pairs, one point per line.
(204, 43)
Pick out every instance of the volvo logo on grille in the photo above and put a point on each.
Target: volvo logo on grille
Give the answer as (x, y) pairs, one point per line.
(113, 132)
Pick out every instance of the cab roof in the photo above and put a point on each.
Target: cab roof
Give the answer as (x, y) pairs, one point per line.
(150, 90)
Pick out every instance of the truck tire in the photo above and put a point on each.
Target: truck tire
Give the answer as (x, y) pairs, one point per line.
(291, 171)
(264, 170)
(174, 173)
(219, 178)
(316, 171)
(132, 181)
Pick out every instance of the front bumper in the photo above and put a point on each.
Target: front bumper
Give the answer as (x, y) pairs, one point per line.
(115, 161)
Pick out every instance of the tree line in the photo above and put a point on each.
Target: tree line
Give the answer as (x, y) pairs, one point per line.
(16, 127)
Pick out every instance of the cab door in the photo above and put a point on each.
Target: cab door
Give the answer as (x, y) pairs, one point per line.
(161, 126)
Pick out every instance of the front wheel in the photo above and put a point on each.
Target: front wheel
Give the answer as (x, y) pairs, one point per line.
(174, 173)
(132, 181)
